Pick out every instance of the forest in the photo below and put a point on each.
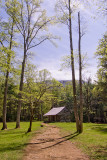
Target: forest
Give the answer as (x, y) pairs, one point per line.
(27, 93)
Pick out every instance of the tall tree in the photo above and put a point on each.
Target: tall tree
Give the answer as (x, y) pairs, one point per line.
(7, 42)
(30, 90)
(73, 69)
(36, 86)
(80, 75)
(66, 8)
(6, 79)
(87, 94)
(32, 24)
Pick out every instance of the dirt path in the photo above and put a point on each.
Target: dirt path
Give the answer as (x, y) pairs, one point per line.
(49, 145)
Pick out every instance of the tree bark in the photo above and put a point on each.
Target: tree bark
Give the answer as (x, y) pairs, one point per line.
(88, 108)
(20, 89)
(80, 76)
(41, 113)
(6, 81)
(5, 101)
(73, 70)
(31, 118)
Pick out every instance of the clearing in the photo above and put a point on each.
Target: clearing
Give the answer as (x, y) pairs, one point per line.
(50, 145)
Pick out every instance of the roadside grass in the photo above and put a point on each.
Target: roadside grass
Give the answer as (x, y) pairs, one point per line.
(93, 140)
(13, 141)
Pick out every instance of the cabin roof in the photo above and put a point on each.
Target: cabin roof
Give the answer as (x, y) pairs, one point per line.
(54, 111)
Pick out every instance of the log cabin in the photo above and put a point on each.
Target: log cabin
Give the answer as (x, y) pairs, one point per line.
(58, 114)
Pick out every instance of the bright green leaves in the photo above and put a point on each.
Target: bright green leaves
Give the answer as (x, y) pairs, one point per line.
(101, 53)
(13, 8)
(5, 55)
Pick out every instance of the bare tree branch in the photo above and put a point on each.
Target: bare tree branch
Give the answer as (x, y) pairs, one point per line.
(38, 43)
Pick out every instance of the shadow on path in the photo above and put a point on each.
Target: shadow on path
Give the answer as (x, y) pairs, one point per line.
(68, 137)
(62, 139)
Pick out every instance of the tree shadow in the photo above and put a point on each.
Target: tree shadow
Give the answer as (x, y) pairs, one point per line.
(52, 139)
(69, 135)
(11, 131)
(12, 147)
(101, 153)
(62, 139)
(65, 138)
(15, 146)
(100, 128)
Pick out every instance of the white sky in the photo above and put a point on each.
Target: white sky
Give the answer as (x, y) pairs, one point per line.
(49, 57)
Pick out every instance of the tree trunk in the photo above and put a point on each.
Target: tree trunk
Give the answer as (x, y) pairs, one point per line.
(88, 108)
(88, 117)
(80, 77)
(20, 89)
(6, 81)
(41, 112)
(73, 71)
(31, 118)
(5, 101)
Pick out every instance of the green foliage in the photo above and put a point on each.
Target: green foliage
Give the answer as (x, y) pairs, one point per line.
(93, 141)
(13, 141)
(6, 55)
(56, 91)
(36, 91)
(101, 53)
(12, 8)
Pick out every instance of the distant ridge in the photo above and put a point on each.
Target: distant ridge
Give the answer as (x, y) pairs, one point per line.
(64, 81)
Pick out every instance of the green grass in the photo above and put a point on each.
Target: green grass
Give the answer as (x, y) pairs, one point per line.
(13, 141)
(93, 140)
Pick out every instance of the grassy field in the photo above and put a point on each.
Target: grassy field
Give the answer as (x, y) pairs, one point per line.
(93, 141)
(12, 141)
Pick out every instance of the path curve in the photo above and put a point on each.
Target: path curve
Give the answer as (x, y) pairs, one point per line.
(49, 145)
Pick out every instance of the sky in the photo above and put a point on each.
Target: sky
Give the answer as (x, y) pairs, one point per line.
(47, 56)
